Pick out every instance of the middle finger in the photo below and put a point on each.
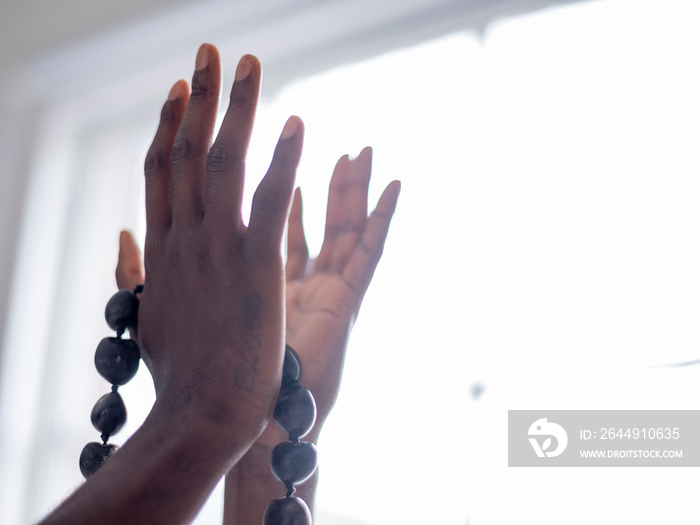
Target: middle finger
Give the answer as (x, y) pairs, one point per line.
(194, 137)
(226, 159)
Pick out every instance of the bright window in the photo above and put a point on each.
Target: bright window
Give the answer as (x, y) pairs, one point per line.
(545, 248)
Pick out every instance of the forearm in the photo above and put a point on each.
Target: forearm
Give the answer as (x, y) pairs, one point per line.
(250, 486)
(163, 474)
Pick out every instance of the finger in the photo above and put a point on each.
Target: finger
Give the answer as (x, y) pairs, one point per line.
(360, 268)
(226, 159)
(129, 270)
(271, 201)
(297, 249)
(347, 211)
(157, 165)
(194, 138)
(333, 212)
(356, 189)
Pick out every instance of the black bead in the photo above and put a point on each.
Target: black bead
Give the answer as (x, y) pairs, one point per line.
(291, 369)
(287, 511)
(109, 413)
(295, 412)
(117, 360)
(122, 310)
(93, 457)
(293, 463)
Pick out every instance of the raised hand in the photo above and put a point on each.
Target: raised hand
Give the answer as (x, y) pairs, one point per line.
(324, 295)
(211, 316)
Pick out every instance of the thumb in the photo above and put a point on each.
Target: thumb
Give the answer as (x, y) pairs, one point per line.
(129, 269)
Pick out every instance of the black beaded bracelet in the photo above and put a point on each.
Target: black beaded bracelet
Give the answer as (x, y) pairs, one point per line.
(292, 462)
(117, 360)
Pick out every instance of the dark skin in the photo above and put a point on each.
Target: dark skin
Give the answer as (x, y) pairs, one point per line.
(212, 321)
(323, 299)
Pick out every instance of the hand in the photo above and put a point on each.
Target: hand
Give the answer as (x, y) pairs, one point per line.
(211, 314)
(324, 295)
(210, 323)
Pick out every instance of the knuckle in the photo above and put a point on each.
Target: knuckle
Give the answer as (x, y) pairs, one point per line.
(267, 199)
(153, 246)
(183, 150)
(168, 113)
(364, 247)
(153, 250)
(155, 162)
(351, 225)
(299, 250)
(200, 84)
(203, 256)
(382, 216)
(220, 159)
(190, 249)
(172, 253)
(237, 100)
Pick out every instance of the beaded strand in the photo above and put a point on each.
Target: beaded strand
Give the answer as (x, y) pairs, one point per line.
(293, 461)
(117, 360)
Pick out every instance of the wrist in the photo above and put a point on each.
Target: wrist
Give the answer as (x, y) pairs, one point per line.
(221, 411)
(199, 436)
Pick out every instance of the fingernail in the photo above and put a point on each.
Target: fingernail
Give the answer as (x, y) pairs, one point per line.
(122, 242)
(176, 91)
(245, 65)
(290, 128)
(203, 56)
